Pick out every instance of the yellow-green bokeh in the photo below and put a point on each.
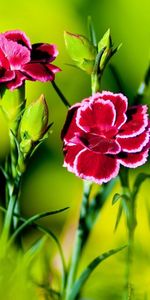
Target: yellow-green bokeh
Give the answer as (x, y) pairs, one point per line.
(47, 185)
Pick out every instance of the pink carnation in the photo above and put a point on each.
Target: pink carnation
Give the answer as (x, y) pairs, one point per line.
(19, 60)
(101, 133)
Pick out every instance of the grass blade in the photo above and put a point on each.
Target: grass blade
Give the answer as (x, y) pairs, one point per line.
(33, 219)
(90, 268)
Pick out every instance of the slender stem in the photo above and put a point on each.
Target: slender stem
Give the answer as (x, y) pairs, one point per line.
(130, 209)
(13, 189)
(13, 154)
(13, 182)
(97, 73)
(79, 239)
(33, 219)
(60, 94)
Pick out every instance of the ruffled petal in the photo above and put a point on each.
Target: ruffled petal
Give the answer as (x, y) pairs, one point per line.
(43, 52)
(19, 37)
(17, 81)
(16, 54)
(70, 153)
(70, 126)
(137, 121)
(95, 167)
(96, 117)
(38, 71)
(133, 160)
(4, 63)
(120, 102)
(6, 75)
(134, 144)
(100, 144)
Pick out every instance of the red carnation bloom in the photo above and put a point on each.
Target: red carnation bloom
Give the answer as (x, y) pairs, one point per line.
(100, 133)
(19, 60)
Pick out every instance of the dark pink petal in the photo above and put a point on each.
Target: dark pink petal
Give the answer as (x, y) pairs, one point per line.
(16, 54)
(4, 63)
(6, 75)
(70, 126)
(43, 52)
(19, 37)
(96, 117)
(100, 144)
(134, 160)
(38, 71)
(70, 155)
(134, 144)
(53, 68)
(95, 167)
(120, 102)
(17, 81)
(137, 121)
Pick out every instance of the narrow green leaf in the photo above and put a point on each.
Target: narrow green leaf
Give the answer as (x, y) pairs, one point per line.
(33, 219)
(16, 141)
(105, 41)
(90, 268)
(49, 233)
(4, 173)
(92, 34)
(116, 197)
(119, 214)
(117, 49)
(34, 248)
(72, 65)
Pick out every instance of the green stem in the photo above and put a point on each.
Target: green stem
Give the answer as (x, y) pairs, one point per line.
(32, 219)
(13, 194)
(97, 73)
(14, 179)
(95, 81)
(79, 239)
(60, 94)
(13, 155)
(129, 205)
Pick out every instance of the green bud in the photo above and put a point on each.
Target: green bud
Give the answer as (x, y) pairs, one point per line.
(34, 122)
(11, 105)
(81, 51)
(106, 43)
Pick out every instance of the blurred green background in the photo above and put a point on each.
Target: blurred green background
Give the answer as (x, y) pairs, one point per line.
(47, 185)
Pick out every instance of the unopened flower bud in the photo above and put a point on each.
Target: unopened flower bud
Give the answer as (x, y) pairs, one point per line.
(81, 51)
(106, 43)
(34, 122)
(11, 105)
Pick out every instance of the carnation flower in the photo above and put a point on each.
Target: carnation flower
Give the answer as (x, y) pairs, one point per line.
(101, 133)
(19, 60)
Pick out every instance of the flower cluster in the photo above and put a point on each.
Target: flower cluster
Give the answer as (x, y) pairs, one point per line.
(19, 60)
(101, 133)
